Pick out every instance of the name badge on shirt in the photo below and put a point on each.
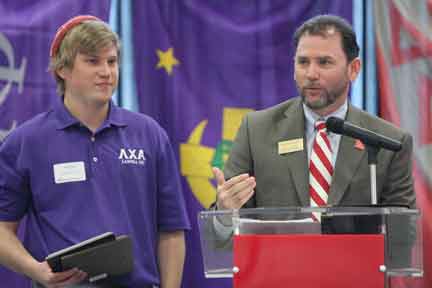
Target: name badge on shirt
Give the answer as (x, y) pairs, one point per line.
(69, 172)
(290, 146)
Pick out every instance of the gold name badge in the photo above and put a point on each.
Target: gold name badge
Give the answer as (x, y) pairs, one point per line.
(290, 146)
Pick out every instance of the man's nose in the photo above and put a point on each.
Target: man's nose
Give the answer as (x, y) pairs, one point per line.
(313, 72)
(104, 70)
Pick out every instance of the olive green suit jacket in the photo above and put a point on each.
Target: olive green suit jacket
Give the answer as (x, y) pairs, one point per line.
(282, 179)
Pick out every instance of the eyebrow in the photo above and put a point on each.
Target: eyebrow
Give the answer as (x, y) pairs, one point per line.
(317, 57)
(98, 56)
(88, 55)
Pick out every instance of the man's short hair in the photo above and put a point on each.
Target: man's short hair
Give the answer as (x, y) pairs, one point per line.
(88, 37)
(319, 26)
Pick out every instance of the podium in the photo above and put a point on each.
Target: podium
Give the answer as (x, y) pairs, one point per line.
(288, 247)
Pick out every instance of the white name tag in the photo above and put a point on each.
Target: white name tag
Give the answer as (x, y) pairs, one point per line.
(69, 172)
(290, 146)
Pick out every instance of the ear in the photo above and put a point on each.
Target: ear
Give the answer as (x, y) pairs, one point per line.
(354, 69)
(61, 72)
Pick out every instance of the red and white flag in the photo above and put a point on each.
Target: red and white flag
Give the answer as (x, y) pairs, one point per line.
(404, 56)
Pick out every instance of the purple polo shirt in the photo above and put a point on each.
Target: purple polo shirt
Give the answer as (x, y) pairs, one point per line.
(131, 184)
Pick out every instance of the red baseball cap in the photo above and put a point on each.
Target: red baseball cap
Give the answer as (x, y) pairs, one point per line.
(61, 32)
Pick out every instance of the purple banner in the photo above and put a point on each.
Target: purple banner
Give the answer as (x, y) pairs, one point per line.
(26, 88)
(200, 65)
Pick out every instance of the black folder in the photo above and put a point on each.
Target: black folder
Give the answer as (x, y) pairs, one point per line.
(100, 257)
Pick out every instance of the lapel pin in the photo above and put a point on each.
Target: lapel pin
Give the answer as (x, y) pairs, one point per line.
(359, 145)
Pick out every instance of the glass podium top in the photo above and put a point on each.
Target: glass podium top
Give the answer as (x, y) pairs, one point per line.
(400, 228)
(345, 210)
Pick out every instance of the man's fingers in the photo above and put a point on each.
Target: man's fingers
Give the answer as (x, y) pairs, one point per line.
(220, 178)
(232, 194)
(241, 187)
(236, 180)
(235, 196)
(71, 276)
(74, 279)
(62, 276)
(219, 175)
(65, 276)
(246, 197)
(238, 202)
(243, 195)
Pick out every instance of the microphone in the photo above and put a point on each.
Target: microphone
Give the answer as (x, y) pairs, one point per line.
(339, 126)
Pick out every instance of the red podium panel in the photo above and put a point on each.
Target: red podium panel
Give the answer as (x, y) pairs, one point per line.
(309, 261)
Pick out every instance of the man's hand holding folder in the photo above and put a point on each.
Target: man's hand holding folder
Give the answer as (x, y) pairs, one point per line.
(100, 257)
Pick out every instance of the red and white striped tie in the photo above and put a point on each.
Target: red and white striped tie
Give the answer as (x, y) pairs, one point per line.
(320, 168)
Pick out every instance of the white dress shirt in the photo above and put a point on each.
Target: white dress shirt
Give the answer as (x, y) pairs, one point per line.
(310, 131)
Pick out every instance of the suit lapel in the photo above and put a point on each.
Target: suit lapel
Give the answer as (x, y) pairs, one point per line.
(289, 128)
(348, 159)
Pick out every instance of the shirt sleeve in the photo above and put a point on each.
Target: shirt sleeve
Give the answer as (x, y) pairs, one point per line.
(14, 191)
(172, 214)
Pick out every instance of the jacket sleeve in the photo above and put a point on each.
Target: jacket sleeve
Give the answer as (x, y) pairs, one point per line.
(240, 159)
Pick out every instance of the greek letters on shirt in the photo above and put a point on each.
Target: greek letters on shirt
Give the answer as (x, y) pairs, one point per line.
(132, 156)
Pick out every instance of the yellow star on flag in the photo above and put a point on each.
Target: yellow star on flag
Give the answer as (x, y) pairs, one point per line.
(167, 60)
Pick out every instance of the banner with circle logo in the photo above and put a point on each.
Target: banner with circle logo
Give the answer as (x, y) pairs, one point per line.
(200, 66)
(26, 87)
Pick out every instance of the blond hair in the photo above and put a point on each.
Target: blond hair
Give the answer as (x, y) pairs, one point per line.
(88, 37)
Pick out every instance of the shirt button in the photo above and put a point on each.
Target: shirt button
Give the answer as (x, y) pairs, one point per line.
(95, 159)
(93, 139)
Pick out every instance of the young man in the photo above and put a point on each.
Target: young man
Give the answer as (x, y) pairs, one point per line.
(262, 174)
(87, 167)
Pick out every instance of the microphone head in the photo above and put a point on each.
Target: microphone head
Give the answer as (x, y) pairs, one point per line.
(335, 125)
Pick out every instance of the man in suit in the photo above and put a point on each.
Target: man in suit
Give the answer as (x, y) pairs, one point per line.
(270, 159)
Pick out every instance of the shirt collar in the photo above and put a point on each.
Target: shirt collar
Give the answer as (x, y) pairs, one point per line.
(311, 117)
(65, 119)
(115, 117)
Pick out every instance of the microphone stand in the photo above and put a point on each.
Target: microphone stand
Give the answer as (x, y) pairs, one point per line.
(372, 161)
